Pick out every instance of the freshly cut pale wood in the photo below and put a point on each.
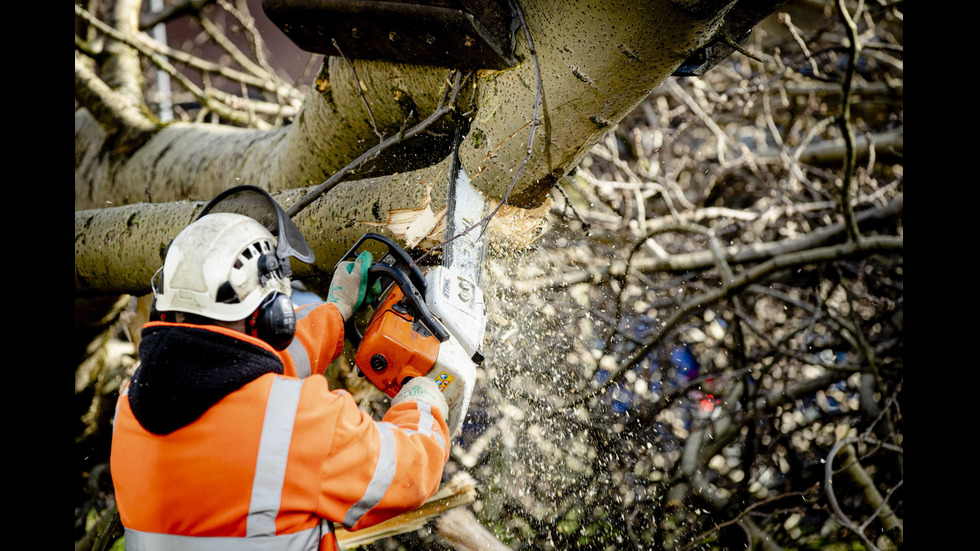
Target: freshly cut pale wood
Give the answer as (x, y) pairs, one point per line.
(461, 529)
(460, 490)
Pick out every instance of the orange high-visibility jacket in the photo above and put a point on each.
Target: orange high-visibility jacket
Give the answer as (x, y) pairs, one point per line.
(273, 463)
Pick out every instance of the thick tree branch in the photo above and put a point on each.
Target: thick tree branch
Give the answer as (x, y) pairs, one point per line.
(115, 112)
(863, 481)
(121, 68)
(639, 50)
(850, 158)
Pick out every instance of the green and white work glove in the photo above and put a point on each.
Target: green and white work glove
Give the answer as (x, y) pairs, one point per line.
(422, 389)
(348, 287)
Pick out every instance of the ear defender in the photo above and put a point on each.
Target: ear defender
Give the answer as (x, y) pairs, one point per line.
(274, 322)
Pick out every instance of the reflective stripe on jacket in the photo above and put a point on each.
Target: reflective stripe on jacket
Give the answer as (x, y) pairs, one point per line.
(274, 463)
(316, 342)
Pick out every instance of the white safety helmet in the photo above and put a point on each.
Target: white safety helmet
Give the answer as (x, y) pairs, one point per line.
(222, 266)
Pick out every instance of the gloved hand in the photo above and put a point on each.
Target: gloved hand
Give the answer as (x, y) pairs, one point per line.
(455, 376)
(349, 284)
(423, 390)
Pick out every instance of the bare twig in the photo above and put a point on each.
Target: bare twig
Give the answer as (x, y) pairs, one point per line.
(705, 117)
(736, 255)
(747, 511)
(360, 90)
(569, 206)
(850, 159)
(161, 62)
(194, 62)
(748, 276)
(228, 46)
(728, 278)
(785, 19)
(244, 16)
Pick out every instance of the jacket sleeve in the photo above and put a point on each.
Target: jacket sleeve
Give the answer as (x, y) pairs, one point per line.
(319, 340)
(372, 470)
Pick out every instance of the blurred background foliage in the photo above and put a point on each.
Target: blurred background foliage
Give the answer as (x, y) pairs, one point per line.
(699, 353)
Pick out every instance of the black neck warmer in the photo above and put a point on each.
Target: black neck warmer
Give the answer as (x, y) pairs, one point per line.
(184, 371)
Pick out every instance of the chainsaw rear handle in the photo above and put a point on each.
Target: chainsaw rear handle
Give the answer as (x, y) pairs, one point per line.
(398, 267)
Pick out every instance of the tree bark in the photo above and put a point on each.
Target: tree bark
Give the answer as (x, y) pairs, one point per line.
(196, 160)
(117, 250)
(597, 63)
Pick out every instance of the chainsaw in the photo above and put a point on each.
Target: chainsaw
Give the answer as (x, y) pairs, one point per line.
(428, 324)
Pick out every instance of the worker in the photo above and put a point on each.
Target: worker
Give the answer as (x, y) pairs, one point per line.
(227, 438)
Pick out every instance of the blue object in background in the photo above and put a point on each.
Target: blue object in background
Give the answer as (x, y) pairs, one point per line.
(686, 364)
(301, 297)
(686, 368)
(622, 397)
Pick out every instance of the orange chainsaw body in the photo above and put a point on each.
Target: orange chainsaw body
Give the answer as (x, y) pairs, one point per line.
(392, 348)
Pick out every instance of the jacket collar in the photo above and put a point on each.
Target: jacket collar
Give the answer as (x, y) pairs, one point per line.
(186, 369)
